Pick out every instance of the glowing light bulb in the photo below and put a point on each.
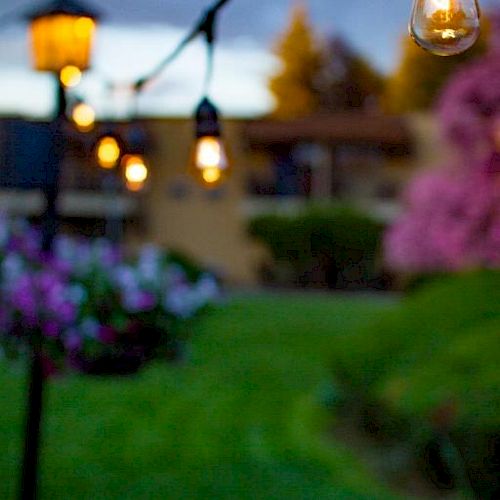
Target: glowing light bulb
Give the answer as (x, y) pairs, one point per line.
(211, 175)
(108, 152)
(83, 117)
(210, 153)
(70, 76)
(445, 27)
(84, 27)
(136, 172)
(210, 163)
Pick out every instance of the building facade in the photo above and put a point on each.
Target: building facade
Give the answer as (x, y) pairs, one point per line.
(277, 166)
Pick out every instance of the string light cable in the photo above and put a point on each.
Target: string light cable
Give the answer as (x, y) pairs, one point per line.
(203, 26)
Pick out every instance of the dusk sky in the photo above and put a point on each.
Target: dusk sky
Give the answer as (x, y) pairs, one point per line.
(137, 33)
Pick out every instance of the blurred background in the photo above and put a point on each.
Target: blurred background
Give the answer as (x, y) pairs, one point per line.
(324, 322)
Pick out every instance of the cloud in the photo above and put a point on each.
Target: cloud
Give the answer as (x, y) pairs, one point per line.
(123, 54)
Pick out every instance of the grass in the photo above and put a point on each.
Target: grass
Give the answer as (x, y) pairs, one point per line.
(239, 421)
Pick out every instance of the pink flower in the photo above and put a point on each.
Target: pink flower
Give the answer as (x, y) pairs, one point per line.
(452, 222)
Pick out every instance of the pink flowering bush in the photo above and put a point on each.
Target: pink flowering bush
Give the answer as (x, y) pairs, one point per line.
(452, 222)
(452, 216)
(93, 309)
(469, 108)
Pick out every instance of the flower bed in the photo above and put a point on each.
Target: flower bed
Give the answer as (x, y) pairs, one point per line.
(92, 308)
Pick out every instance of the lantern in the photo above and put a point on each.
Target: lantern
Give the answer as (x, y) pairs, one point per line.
(62, 35)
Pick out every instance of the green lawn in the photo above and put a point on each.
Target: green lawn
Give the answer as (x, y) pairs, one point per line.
(239, 421)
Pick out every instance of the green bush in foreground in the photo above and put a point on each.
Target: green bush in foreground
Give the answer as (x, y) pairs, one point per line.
(430, 368)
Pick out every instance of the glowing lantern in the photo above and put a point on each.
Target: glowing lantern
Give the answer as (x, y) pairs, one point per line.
(62, 35)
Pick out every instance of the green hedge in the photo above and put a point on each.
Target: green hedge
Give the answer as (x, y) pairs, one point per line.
(429, 370)
(340, 241)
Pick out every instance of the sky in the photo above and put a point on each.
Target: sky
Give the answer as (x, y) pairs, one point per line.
(136, 34)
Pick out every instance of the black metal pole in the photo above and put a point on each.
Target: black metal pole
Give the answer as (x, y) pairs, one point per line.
(29, 478)
(114, 221)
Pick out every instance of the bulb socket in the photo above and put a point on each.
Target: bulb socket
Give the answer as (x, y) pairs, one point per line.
(207, 120)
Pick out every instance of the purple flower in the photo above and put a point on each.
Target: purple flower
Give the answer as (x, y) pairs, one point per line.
(51, 329)
(72, 340)
(67, 312)
(107, 334)
(136, 301)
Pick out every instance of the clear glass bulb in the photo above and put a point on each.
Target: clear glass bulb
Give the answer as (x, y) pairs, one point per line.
(445, 27)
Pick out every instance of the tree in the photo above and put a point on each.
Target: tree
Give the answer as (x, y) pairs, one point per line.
(420, 76)
(294, 87)
(348, 81)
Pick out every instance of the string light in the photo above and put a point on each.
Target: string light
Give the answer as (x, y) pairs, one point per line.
(108, 152)
(70, 76)
(136, 172)
(445, 27)
(83, 116)
(209, 163)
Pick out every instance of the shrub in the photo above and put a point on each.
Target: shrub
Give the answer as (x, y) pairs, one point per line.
(431, 366)
(341, 242)
(89, 306)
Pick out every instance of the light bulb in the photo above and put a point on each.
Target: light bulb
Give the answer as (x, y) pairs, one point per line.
(136, 172)
(70, 76)
(210, 164)
(108, 152)
(211, 175)
(445, 27)
(83, 117)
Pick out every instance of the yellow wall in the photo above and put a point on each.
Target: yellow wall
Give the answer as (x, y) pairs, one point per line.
(210, 228)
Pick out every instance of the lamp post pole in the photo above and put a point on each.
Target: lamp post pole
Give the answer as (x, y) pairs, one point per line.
(61, 37)
(29, 477)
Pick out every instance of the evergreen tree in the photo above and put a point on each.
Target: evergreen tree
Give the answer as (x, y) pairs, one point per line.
(294, 87)
(348, 81)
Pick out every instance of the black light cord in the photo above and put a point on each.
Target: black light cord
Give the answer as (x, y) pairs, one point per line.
(209, 31)
(204, 26)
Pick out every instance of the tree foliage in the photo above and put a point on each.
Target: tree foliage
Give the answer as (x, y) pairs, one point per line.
(294, 87)
(348, 80)
(317, 76)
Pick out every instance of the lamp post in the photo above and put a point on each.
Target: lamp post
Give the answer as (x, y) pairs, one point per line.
(62, 34)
